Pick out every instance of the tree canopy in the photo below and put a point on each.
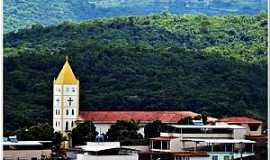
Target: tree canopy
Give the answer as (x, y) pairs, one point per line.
(21, 14)
(216, 64)
(83, 132)
(125, 132)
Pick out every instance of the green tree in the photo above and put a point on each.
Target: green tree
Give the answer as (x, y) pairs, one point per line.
(57, 139)
(39, 132)
(204, 117)
(84, 132)
(186, 121)
(153, 129)
(126, 132)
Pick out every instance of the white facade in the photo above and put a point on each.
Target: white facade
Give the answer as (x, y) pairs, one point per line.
(109, 157)
(65, 100)
(91, 150)
(104, 127)
(66, 106)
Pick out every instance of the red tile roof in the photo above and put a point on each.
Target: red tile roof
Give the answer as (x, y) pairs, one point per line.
(191, 154)
(147, 116)
(162, 138)
(245, 120)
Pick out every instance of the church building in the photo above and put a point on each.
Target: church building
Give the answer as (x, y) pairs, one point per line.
(66, 110)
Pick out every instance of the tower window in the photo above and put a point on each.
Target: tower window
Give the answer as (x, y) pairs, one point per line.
(66, 125)
(72, 111)
(67, 112)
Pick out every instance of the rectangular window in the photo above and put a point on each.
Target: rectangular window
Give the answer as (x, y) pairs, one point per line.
(66, 126)
(165, 145)
(215, 158)
(226, 157)
(156, 145)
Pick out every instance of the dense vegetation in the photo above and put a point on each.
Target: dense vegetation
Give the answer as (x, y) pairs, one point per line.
(125, 132)
(159, 62)
(24, 13)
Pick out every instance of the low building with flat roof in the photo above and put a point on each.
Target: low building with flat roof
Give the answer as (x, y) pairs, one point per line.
(26, 150)
(102, 151)
(221, 141)
(252, 125)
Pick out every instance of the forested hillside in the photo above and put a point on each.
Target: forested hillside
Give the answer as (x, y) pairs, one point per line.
(20, 14)
(216, 64)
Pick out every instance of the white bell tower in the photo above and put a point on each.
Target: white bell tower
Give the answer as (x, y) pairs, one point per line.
(65, 100)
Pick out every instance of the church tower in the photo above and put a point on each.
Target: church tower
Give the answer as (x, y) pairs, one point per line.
(65, 100)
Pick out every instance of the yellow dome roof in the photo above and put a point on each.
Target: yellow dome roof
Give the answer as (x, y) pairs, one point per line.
(66, 75)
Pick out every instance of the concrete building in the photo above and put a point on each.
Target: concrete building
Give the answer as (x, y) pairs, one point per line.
(102, 151)
(253, 126)
(221, 142)
(26, 150)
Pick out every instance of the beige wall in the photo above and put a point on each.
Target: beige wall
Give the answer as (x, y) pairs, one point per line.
(258, 132)
(27, 154)
(248, 132)
(239, 133)
(175, 145)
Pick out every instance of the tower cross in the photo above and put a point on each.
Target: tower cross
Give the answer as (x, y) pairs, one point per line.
(69, 101)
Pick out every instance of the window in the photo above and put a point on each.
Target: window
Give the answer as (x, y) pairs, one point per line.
(156, 145)
(67, 112)
(254, 127)
(67, 126)
(56, 124)
(72, 111)
(73, 89)
(67, 89)
(57, 112)
(72, 123)
(165, 145)
(226, 157)
(215, 158)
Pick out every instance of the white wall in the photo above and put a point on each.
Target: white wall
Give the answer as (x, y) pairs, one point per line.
(104, 127)
(138, 148)
(109, 157)
(198, 135)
